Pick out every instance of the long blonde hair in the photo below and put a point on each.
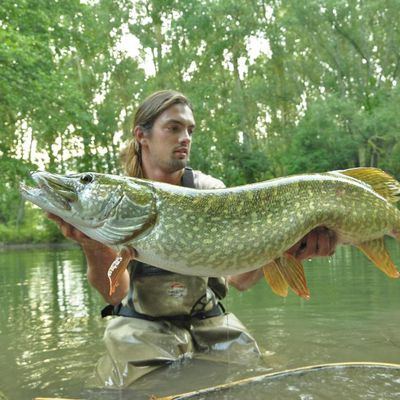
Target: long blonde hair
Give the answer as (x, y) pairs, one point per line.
(146, 114)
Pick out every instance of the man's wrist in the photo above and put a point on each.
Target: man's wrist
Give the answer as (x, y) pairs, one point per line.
(91, 246)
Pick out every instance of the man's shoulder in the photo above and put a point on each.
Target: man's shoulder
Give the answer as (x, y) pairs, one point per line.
(204, 181)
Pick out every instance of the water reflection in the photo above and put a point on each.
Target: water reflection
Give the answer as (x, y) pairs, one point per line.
(50, 329)
(46, 322)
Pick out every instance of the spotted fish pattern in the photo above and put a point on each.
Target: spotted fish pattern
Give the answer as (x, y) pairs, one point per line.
(227, 231)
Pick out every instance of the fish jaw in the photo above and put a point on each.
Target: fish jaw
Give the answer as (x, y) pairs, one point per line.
(53, 193)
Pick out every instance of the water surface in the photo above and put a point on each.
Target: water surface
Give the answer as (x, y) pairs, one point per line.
(50, 329)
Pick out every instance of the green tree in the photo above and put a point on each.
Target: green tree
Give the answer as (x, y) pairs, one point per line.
(321, 93)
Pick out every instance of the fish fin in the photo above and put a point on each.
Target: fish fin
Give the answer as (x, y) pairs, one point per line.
(380, 181)
(293, 272)
(275, 279)
(375, 250)
(117, 268)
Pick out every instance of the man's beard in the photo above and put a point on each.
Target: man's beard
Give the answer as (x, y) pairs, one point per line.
(176, 165)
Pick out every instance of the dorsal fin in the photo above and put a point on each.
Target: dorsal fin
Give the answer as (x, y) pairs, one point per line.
(380, 181)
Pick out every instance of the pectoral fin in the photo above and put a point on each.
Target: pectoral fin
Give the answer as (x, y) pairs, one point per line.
(375, 250)
(275, 279)
(117, 268)
(293, 272)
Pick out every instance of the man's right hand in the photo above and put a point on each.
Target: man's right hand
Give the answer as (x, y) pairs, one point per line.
(68, 230)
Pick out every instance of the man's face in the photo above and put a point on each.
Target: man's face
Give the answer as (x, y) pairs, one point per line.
(168, 144)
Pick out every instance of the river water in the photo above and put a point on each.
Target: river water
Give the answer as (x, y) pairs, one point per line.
(51, 332)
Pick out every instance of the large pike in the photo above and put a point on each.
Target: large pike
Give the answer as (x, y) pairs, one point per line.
(226, 231)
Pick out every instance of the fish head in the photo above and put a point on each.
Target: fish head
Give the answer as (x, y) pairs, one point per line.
(67, 196)
(107, 208)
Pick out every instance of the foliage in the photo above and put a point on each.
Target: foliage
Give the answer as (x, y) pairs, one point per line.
(323, 140)
(278, 87)
(35, 229)
(13, 172)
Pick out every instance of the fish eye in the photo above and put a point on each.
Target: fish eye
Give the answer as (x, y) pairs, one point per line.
(87, 178)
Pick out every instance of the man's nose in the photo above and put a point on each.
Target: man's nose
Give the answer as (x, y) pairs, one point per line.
(186, 137)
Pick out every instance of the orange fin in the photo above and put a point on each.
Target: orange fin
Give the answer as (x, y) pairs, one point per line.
(375, 250)
(293, 272)
(275, 279)
(117, 268)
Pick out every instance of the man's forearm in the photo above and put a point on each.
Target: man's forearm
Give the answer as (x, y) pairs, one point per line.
(246, 280)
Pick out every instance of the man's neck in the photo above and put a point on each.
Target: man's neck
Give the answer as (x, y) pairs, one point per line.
(173, 178)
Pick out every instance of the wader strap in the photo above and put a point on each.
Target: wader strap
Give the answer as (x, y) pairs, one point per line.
(140, 269)
(188, 178)
(124, 311)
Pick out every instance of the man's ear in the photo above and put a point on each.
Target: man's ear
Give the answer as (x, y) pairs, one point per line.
(139, 135)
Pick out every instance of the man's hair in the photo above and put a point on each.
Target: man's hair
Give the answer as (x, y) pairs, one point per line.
(151, 108)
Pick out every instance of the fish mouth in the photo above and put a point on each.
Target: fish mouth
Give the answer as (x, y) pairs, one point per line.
(56, 189)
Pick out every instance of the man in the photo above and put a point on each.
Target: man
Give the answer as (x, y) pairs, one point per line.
(163, 316)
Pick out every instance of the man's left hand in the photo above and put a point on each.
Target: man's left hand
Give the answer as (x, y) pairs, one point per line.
(320, 242)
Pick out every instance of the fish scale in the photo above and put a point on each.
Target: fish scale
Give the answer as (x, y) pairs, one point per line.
(227, 231)
(272, 238)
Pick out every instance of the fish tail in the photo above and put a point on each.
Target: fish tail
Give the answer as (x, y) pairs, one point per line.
(117, 268)
(380, 181)
(375, 250)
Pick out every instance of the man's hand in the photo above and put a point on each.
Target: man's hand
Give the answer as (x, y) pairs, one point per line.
(69, 231)
(320, 242)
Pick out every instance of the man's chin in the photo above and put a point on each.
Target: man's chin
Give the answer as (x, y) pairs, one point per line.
(177, 165)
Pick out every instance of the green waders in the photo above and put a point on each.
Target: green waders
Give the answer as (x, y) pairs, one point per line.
(135, 347)
(168, 316)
